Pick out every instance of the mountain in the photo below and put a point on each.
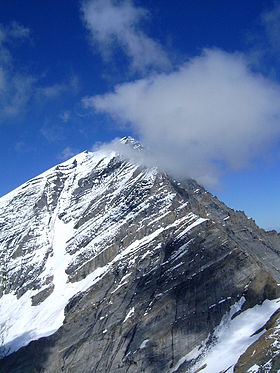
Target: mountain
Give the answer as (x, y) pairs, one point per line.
(111, 266)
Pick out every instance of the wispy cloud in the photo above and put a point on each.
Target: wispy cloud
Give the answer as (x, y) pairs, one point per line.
(23, 147)
(13, 31)
(213, 112)
(117, 24)
(15, 88)
(53, 91)
(52, 132)
(15, 94)
(71, 86)
(8, 34)
(264, 40)
(65, 116)
(18, 31)
(67, 153)
(271, 21)
(18, 88)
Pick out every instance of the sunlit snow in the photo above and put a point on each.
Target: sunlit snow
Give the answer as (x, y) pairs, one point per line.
(231, 338)
(24, 322)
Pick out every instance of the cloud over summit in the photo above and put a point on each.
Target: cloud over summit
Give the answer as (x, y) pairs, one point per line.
(210, 113)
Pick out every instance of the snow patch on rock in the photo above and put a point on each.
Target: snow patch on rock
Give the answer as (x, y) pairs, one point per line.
(230, 339)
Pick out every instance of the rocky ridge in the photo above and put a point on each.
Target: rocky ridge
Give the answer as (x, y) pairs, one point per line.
(110, 266)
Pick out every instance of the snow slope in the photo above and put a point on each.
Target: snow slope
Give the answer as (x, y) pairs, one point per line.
(230, 339)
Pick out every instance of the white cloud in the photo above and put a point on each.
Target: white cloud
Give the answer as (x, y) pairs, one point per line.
(116, 23)
(212, 112)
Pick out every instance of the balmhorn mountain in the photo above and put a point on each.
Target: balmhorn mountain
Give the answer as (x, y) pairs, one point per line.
(111, 266)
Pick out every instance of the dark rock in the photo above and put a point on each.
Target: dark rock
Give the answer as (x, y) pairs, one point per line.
(42, 295)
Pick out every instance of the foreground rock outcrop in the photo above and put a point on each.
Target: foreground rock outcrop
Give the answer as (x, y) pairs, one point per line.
(109, 266)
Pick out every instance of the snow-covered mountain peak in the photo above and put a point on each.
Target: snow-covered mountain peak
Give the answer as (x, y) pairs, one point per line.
(67, 219)
(123, 257)
(134, 144)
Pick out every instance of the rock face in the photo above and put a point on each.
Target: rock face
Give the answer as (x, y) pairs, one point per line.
(109, 266)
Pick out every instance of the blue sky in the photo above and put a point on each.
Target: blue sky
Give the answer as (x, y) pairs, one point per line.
(196, 81)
